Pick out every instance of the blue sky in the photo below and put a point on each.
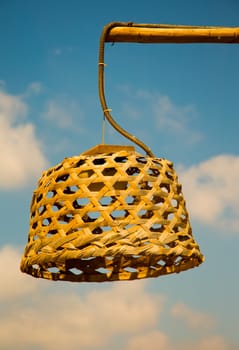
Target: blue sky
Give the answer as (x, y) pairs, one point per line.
(182, 101)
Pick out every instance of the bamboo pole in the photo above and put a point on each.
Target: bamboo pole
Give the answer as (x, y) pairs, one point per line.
(172, 34)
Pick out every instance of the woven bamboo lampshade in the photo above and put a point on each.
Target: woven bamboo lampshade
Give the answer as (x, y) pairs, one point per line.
(109, 214)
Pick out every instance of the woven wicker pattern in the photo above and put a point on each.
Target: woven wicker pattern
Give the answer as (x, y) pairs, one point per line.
(110, 216)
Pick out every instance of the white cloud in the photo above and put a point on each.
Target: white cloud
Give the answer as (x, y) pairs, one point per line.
(39, 314)
(216, 342)
(35, 88)
(11, 107)
(168, 116)
(2, 84)
(150, 341)
(59, 115)
(162, 341)
(13, 284)
(62, 113)
(58, 51)
(48, 317)
(212, 192)
(171, 117)
(211, 342)
(193, 318)
(20, 151)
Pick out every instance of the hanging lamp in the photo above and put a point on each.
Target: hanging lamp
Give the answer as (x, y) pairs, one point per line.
(112, 213)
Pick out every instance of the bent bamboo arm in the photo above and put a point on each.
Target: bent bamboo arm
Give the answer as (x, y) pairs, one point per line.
(135, 33)
(155, 33)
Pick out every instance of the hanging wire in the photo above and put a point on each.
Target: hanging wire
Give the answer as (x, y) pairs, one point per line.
(106, 110)
(103, 131)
